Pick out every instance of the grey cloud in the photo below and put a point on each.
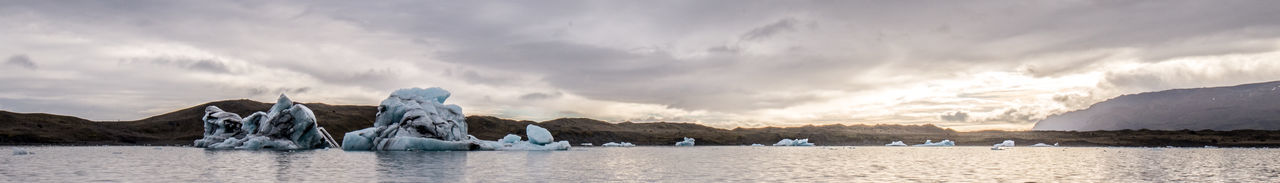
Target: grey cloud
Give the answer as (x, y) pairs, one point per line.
(955, 116)
(209, 65)
(276, 91)
(860, 46)
(786, 24)
(540, 96)
(194, 64)
(1013, 116)
(21, 61)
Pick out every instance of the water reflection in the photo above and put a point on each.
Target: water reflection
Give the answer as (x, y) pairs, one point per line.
(646, 164)
(445, 166)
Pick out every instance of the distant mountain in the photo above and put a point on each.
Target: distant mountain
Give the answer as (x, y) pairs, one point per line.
(183, 126)
(174, 128)
(1248, 106)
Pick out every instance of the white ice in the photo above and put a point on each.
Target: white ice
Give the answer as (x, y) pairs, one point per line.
(286, 126)
(687, 142)
(416, 119)
(896, 143)
(510, 138)
(538, 135)
(20, 151)
(1006, 143)
(930, 143)
(615, 144)
(1044, 145)
(756, 145)
(797, 142)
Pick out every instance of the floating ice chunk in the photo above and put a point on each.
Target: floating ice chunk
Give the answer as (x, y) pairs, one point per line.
(687, 142)
(586, 144)
(944, 143)
(416, 119)
(510, 138)
(797, 142)
(20, 151)
(218, 126)
(1211, 147)
(1044, 145)
(756, 145)
(538, 135)
(1006, 143)
(896, 143)
(615, 144)
(286, 126)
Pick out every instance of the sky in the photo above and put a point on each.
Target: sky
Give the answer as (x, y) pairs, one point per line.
(966, 65)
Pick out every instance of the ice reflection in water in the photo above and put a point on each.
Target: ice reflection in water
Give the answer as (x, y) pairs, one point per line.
(667, 164)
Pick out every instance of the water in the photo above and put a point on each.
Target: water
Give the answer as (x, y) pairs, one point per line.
(646, 164)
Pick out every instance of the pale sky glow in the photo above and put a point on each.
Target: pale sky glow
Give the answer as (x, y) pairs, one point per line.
(957, 64)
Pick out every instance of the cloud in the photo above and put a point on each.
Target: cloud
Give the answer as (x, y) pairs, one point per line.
(540, 96)
(956, 116)
(784, 25)
(21, 61)
(980, 64)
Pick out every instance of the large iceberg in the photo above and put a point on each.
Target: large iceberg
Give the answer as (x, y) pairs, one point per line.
(687, 142)
(286, 126)
(416, 119)
(930, 143)
(796, 142)
(896, 143)
(615, 144)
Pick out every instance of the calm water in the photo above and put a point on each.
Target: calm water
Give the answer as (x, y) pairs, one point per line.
(646, 164)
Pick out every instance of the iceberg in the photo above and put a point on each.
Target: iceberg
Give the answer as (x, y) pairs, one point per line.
(687, 142)
(20, 151)
(1044, 145)
(797, 142)
(896, 143)
(286, 126)
(930, 143)
(1006, 143)
(756, 145)
(416, 119)
(615, 144)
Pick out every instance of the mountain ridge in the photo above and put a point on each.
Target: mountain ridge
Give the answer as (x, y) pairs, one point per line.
(182, 126)
(1244, 106)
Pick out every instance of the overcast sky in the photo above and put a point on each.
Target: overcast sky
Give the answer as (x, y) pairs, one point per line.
(967, 65)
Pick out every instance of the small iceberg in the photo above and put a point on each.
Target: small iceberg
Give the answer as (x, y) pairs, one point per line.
(797, 142)
(20, 151)
(930, 143)
(615, 144)
(896, 143)
(1211, 147)
(687, 142)
(757, 145)
(1000, 146)
(1044, 145)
